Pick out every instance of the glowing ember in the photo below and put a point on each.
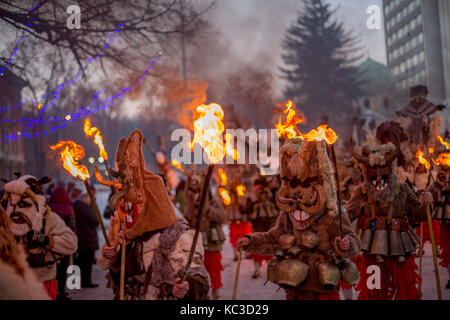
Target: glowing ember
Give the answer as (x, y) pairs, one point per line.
(223, 177)
(441, 140)
(208, 129)
(240, 189)
(98, 139)
(70, 154)
(225, 196)
(422, 160)
(176, 164)
(442, 160)
(430, 150)
(289, 129)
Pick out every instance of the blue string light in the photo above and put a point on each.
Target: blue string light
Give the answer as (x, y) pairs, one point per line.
(67, 83)
(82, 111)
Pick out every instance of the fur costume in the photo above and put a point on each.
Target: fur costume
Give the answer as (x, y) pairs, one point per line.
(158, 243)
(17, 280)
(43, 233)
(385, 210)
(304, 238)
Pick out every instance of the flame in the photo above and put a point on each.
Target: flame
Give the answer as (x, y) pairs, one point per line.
(430, 150)
(289, 128)
(442, 160)
(441, 140)
(70, 155)
(177, 164)
(225, 196)
(223, 177)
(98, 139)
(422, 160)
(208, 129)
(240, 189)
(228, 147)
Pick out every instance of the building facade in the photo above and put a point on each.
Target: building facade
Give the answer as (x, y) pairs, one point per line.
(418, 42)
(12, 158)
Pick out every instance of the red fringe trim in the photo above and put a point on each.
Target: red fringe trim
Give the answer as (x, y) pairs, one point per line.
(238, 230)
(52, 289)
(213, 265)
(399, 280)
(445, 245)
(259, 258)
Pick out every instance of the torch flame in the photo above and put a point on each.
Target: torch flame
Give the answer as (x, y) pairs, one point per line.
(225, 196)
(223, 177)
(70, 155)
(422, 160)
(208, 129)
(441, 140)
(289, 128)
(177, 164)
(98, 139)
(442, 160)
(229, 147)
(240, 189)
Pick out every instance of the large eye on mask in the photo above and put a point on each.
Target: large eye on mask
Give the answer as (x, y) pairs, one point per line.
(23, 204)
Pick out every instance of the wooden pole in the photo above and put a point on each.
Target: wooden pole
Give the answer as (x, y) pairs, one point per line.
(433, 247)
(199, 218)
(97, 212)
(236, 276)
(122, 268)
(338, 187)
(420, 257)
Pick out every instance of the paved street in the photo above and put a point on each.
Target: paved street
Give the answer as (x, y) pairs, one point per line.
(254, 289)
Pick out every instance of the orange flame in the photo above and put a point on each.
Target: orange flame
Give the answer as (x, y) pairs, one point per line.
(177, 164)
(228, 147)
(98, 139)
(208, 129)
(422, 160)
(240, 189)
(430, 150)
(442, 160)
(289, 128)
(223, 177)
(70, 155)
(441, 140)
(225, 196)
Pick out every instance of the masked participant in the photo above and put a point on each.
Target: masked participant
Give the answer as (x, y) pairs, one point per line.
(211, 227)
(307, 239)
(386, 209)
(158, 243)
(262, 213)
(17, 280)
(42, 233)
(441, 193)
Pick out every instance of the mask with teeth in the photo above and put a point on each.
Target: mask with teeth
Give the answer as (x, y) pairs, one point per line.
(443, 177)
(307, 178)
(379, 170)
(26, 204)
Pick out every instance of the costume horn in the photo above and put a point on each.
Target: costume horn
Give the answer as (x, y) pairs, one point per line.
(101, 180)
(358, 157)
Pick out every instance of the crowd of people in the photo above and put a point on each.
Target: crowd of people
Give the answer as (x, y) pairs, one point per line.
(166, 231)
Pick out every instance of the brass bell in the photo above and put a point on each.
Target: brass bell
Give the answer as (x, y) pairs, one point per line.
(213, 235)
(366, 239)
(413, 236)
(446, 213)
(292, 272)
(440, 213)
(286, 241)
(395, 244)
(310, 239)
(408, 244)
(205, 239)
(380, 243)
(279, 254)
(329, 275)
(349, 272)
(294, 251)
(272, 269)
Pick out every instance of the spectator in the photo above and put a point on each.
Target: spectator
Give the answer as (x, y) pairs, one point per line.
(61, 205)
(87, 223)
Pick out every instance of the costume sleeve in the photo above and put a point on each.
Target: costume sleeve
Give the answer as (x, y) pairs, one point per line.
(347, 231)
(62, 239)
(113, 236)
(353, 206)
(266, 243)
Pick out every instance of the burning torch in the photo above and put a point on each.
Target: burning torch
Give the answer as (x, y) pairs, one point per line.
(98, 140)
(70, 155)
